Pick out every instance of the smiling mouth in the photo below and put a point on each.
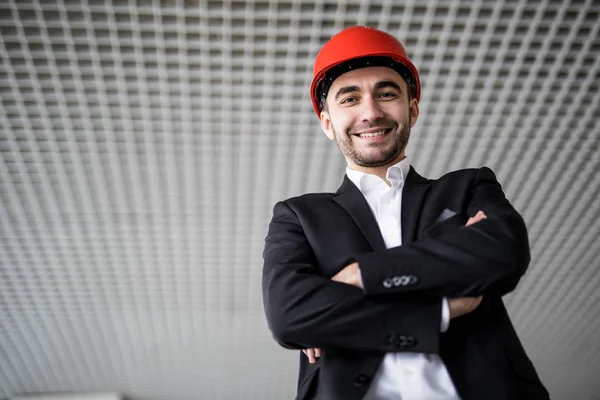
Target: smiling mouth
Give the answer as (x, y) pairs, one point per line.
(373, 134)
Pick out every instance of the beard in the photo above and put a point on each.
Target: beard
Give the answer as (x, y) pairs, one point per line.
(385, 155)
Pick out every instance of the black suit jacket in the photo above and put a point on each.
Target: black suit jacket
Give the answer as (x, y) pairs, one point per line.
(312, 237)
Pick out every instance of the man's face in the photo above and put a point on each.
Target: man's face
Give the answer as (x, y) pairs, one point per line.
(369, 116)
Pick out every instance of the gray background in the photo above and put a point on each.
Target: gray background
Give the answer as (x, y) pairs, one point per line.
(143, 145)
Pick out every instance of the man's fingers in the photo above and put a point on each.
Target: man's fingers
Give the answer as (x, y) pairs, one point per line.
(349, 275)
(476, 218)
(312, 354)
(475, 301)
(463, 305)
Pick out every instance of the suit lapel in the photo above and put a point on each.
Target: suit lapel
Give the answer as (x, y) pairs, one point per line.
(350, 197)
(413, 192)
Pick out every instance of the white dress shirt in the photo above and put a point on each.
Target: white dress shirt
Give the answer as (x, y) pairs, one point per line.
(404, 375)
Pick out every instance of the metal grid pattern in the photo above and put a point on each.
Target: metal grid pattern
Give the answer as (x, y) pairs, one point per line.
(143, 144)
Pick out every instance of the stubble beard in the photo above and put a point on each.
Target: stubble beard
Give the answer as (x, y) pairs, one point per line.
(375, 159)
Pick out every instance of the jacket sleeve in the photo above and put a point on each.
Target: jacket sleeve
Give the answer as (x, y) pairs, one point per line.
(487, 258)
(305, 309)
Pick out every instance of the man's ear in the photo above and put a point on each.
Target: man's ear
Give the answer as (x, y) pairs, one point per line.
(326, 124)
(414, 111)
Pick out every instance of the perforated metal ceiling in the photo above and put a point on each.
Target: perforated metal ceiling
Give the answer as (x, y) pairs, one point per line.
(142, 146)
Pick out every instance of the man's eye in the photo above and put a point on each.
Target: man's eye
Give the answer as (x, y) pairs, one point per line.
(348, 100)
(387, 95)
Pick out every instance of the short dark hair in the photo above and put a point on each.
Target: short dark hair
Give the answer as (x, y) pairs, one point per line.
(324, 84)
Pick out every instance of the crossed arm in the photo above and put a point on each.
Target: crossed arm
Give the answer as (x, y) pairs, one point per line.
(350, 275)
(307, 310)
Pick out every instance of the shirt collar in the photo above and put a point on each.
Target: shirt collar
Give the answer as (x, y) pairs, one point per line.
(396, 174)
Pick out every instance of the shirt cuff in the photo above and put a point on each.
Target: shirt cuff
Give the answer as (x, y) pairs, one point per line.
(360, 281)
(445, 315)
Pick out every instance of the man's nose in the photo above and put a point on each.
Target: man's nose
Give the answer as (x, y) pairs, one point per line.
(371, 110)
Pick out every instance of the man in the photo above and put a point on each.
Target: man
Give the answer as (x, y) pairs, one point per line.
(392, 285)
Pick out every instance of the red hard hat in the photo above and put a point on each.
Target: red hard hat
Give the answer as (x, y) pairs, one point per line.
(359, 42)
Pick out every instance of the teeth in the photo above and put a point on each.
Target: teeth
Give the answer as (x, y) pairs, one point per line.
(373, 134)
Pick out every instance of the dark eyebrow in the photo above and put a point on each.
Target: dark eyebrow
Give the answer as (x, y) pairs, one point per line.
(346, 89)
(384, 84)
(378, 85)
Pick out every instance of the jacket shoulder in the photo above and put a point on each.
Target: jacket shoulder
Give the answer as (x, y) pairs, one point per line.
(309, 199)
(305, 203)
(467, 173)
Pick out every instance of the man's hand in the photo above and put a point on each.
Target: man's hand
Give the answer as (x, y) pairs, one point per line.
(464, 305)
(349, 275)
(312, 354)
(476, 218)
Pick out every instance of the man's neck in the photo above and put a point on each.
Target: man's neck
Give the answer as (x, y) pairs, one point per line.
(380, 171)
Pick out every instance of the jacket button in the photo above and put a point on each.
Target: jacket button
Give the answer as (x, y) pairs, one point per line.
(396, 340)
(392, 339)
(403, 341)
(362, 380)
